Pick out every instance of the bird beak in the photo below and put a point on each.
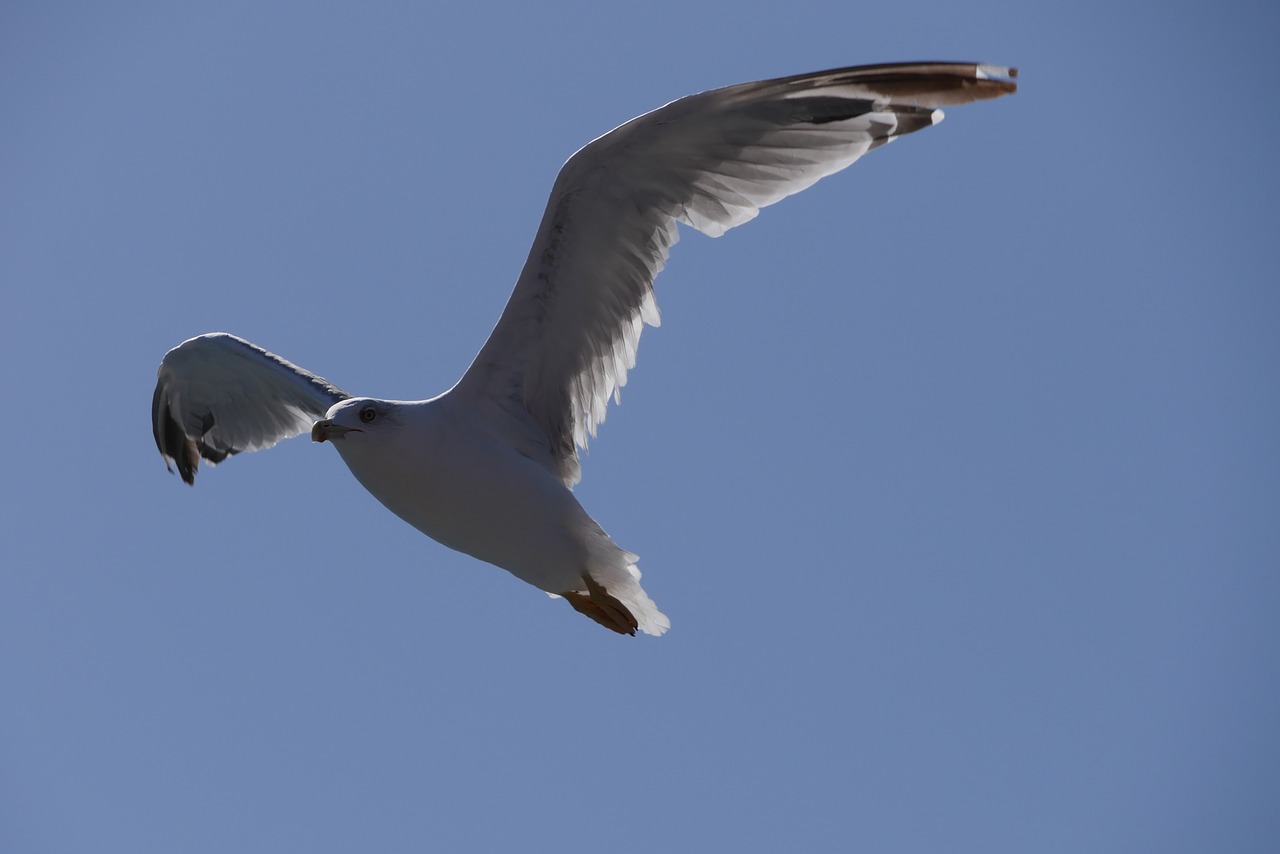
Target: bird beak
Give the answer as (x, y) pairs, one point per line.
(326, 429)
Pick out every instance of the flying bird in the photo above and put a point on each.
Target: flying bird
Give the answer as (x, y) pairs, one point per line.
(487, 467)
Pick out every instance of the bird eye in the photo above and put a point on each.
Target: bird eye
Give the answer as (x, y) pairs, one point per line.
(368, 414)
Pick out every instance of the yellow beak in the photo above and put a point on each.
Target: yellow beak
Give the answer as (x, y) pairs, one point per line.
(324, 430)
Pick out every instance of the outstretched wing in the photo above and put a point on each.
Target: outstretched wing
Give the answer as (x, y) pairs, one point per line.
(217, 395)
(568, 334)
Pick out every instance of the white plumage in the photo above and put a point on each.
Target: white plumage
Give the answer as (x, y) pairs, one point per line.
(486, 468)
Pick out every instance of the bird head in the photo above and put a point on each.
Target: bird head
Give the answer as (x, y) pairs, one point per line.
(350, 416)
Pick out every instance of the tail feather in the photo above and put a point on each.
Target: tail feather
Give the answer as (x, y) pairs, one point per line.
(615, 570)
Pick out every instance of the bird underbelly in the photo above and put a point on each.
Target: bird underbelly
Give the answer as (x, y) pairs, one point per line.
(498, 507)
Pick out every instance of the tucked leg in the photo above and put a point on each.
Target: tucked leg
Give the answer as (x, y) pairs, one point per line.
(606, 610)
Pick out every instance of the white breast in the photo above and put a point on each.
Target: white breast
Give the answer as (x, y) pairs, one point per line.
(474, 494)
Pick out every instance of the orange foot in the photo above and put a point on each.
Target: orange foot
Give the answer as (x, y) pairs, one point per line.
(606, 610)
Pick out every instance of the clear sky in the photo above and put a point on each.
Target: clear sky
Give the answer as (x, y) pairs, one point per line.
(957, 474)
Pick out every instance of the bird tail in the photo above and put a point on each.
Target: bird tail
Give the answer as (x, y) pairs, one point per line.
(614, 569)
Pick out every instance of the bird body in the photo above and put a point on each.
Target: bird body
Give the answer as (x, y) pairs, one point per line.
(487, 468)
(447, 473)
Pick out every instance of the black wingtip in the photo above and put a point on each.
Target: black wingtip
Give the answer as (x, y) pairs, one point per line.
(188, 461)
(171, 441)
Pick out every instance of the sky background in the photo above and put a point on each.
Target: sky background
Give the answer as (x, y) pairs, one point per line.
(957, 474)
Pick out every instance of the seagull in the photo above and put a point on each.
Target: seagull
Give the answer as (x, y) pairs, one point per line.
(488, 467)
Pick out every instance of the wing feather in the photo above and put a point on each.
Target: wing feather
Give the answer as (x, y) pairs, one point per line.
(568, 335)
(217, 395)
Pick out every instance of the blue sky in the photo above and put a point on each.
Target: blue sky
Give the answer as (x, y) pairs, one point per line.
(957, 474)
